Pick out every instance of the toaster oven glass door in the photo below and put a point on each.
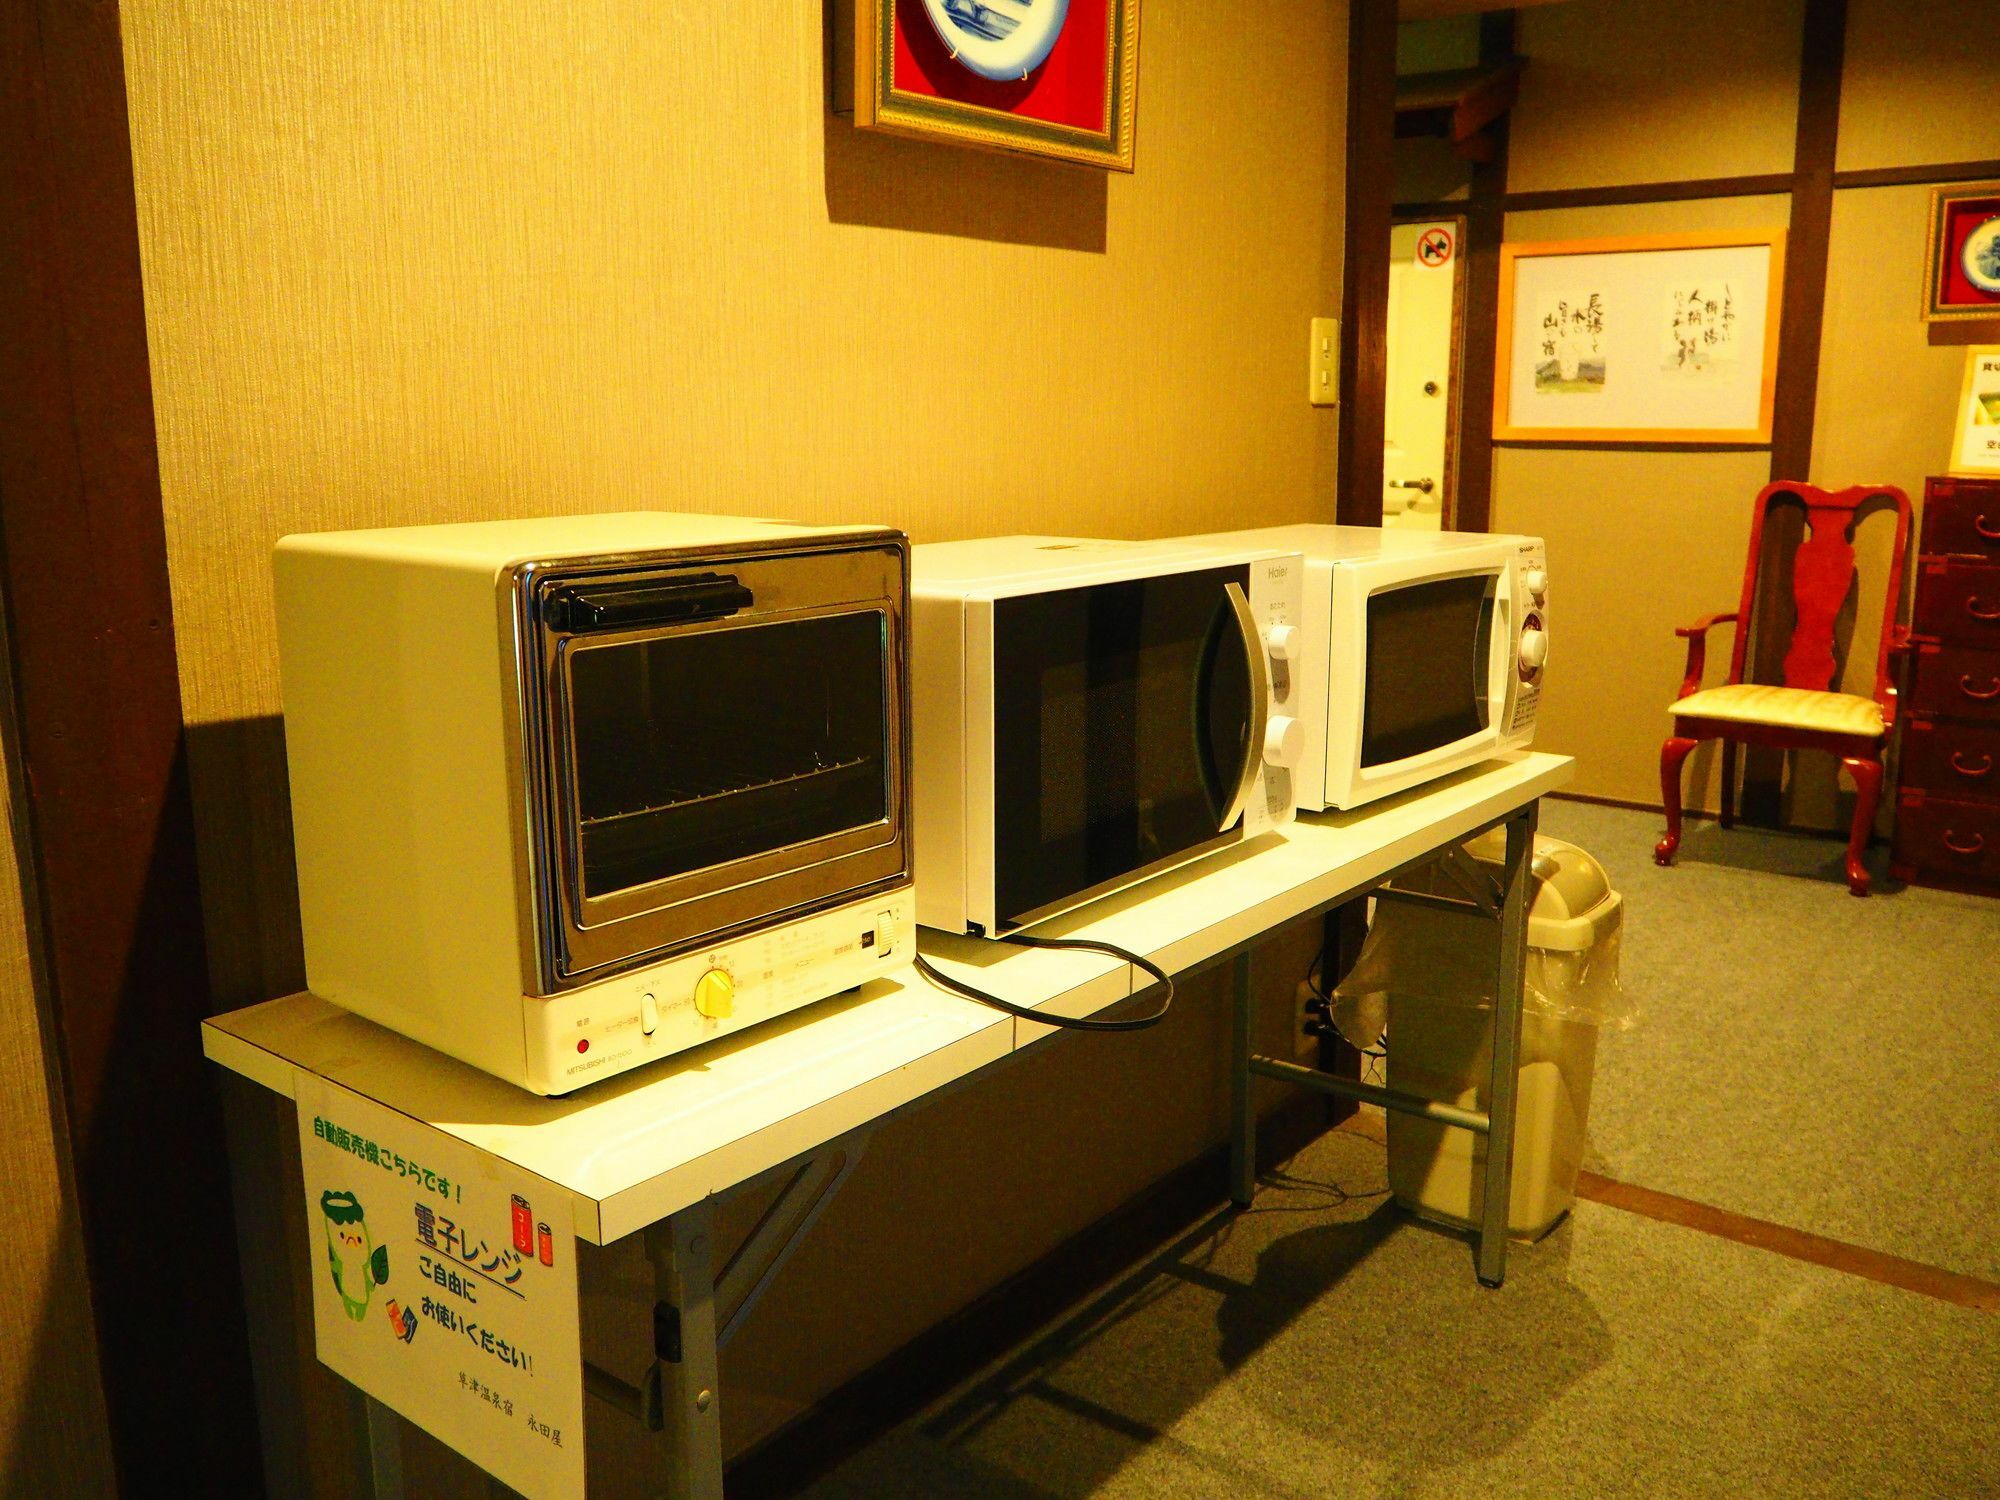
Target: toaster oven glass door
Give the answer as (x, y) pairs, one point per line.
(726, 749)
(1121, 720)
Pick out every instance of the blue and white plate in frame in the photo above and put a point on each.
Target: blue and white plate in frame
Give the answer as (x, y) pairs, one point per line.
(1004, 40)
(1980, 259)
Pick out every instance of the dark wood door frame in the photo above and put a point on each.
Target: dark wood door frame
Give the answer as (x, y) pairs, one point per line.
(1795, 406)
(1369, 197)
(107, 823)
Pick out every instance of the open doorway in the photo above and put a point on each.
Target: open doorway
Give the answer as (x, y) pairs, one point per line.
(1420, 430)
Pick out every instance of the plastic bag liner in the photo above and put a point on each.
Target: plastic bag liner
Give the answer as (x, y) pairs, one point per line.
(1443, 957)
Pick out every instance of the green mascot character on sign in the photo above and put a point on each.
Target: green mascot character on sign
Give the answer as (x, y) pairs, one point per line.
(358, 1264)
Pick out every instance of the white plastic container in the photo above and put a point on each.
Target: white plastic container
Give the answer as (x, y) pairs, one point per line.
(1437, 968)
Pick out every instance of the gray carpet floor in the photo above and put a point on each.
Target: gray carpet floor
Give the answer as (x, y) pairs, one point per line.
(1828, 1063)
(1801, 1056)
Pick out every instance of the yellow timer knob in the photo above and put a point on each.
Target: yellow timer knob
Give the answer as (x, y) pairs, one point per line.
(715, 995)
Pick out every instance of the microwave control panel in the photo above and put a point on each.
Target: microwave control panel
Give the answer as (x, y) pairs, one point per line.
(604, 1029)
(1531, 641)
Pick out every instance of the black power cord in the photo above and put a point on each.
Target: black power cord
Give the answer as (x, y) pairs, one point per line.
(1073, 1023)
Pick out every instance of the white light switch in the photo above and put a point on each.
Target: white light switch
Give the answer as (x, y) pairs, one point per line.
(1323, 363)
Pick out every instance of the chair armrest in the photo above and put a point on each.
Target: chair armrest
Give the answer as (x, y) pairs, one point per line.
(1696, 635)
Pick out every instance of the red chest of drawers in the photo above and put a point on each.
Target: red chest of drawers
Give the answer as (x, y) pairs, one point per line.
(1948, 797)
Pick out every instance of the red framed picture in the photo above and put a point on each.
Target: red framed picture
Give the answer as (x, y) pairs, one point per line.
(1963, 266)
(1047, 77)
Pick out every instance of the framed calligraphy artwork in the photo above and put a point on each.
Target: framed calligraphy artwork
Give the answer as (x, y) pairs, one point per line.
(1656, 339)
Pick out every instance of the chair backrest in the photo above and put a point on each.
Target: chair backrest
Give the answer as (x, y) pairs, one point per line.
(1822, 575)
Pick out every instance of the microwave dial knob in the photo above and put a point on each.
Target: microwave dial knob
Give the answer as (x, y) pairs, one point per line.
(1281, 641)
(1534, 646)
(1537, 580)
(715, 995)
(1284, 740)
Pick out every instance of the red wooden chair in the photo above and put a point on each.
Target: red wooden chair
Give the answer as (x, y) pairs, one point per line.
(1803, 714)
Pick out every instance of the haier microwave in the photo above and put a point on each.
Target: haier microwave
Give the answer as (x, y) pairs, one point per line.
(1090, 713)
(1421, 653)
(574, 793)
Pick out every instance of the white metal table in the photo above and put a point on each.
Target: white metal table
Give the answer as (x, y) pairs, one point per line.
(794, 1100)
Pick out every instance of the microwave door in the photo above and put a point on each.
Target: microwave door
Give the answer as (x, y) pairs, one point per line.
(1121, 724)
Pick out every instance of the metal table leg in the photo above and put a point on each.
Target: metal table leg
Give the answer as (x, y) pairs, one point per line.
(1499, 1183)
(683, 1255)
(1242, 1115)
(385, 1450)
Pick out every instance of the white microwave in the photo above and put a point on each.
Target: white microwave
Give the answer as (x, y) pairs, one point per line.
(1422, 653)
(1090, 713)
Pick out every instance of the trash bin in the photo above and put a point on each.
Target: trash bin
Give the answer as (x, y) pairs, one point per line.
(1424, 983)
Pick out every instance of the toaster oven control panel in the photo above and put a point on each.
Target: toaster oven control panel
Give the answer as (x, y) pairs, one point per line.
(604, 1029)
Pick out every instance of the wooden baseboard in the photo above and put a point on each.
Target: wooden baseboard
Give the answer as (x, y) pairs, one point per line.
(1693, 814)
(895, 1390)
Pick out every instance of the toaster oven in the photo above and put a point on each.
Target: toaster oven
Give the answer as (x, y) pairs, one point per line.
(575, 793)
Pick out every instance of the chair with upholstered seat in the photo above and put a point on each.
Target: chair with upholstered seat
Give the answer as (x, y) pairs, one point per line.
(1804, 713)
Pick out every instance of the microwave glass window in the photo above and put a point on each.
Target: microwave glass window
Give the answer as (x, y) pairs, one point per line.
(1121, 717)
(1429, 645)
(695, 749)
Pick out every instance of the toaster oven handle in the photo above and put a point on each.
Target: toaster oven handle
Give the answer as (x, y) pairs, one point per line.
(1260, 705)
(698, 596)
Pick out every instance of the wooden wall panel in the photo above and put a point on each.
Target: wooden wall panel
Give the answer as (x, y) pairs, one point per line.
(53, 1429)
(1624, 91)
(1920, 85)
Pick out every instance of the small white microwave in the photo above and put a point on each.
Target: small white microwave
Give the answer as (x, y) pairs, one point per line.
(1422, 653)
(1091, 713)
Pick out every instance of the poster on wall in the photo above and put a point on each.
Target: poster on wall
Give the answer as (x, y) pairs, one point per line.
(1975, 446)
(1050, 78)
(1662, 338)
(444, 1286)
(1962, 265)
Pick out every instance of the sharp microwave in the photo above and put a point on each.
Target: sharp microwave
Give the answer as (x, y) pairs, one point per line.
(1091, 713)
(1422, 653)
(575, 793)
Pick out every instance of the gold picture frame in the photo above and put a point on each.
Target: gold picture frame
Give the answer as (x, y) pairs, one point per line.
(971, 111)
(1641, 274)
(1950, 296)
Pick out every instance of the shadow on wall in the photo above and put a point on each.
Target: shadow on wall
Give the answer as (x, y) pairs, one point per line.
(887, 182)
(249, 883)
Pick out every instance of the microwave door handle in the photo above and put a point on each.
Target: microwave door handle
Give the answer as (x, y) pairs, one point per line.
(1260, 705)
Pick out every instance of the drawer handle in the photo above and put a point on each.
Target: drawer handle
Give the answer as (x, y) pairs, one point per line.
(1992, 690)
(1960, 765)
(1972, 608)
(1979, 525)
(1978, 843)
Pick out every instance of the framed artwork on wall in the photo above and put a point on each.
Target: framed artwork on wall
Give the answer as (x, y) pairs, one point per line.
(1975, 437)
(1962, 266)
(1052, 78)
(1645, 339)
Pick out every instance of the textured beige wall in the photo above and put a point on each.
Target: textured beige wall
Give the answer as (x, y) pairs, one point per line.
(407, 262)
(53, 1432)
(1639, 543)
(1921, 84)
(1620, 91)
